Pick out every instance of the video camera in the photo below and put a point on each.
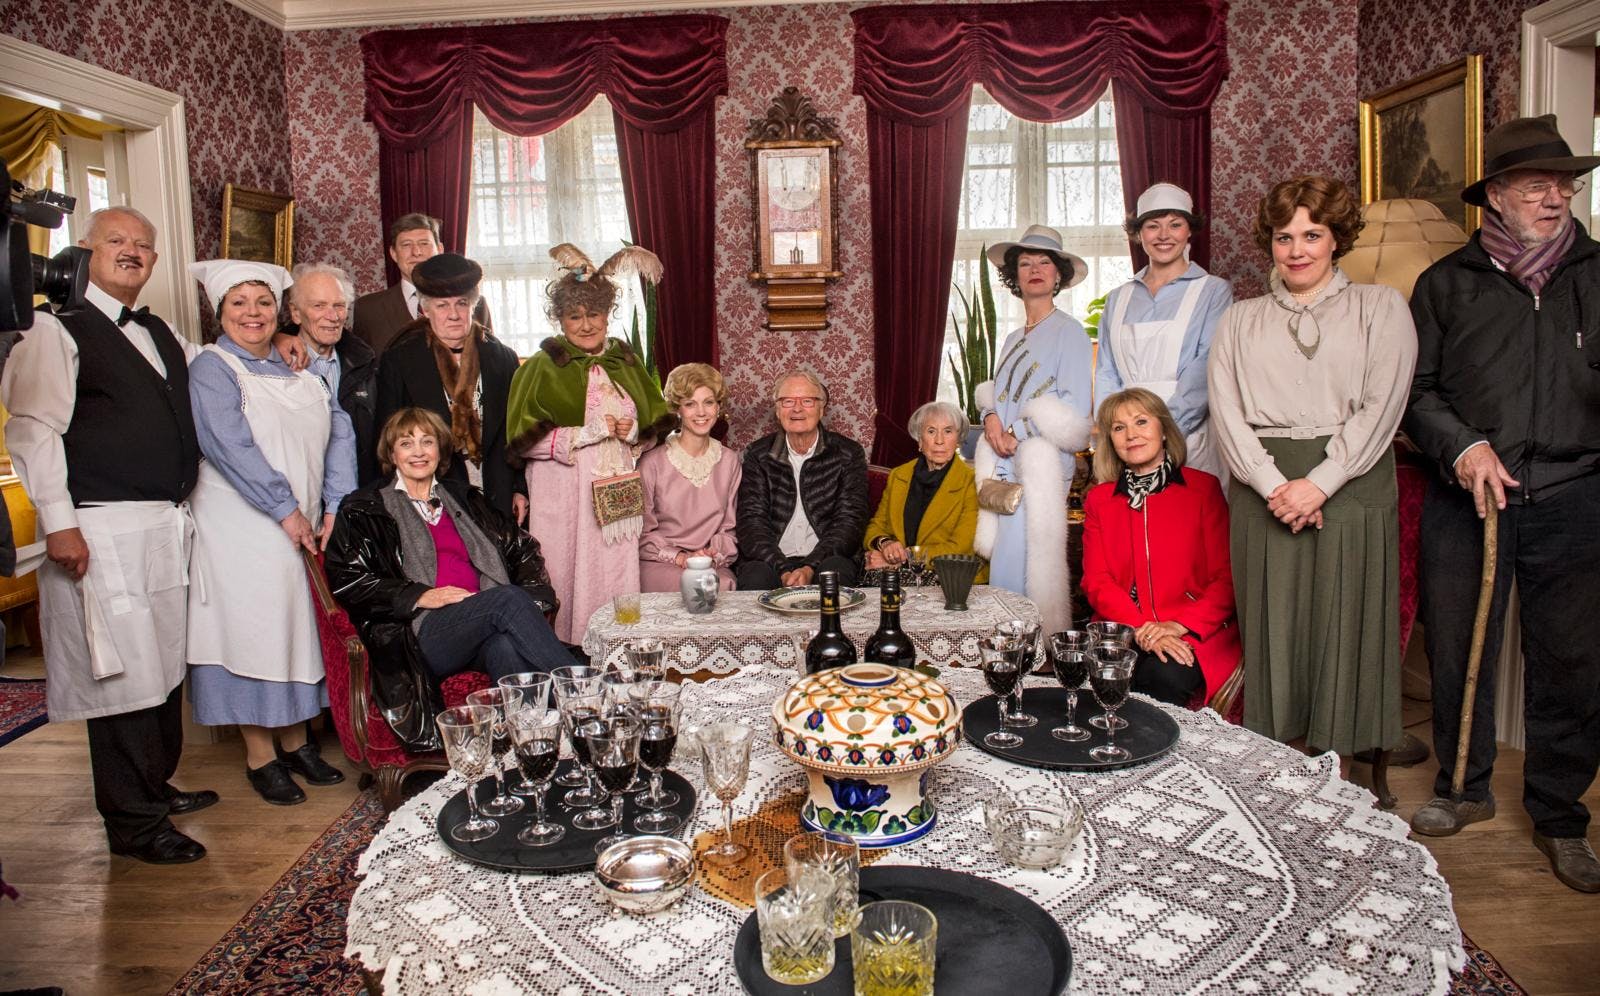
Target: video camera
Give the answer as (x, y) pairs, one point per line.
(61, 278)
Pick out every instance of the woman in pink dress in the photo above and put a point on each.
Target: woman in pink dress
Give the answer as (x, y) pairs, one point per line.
(581, 411)
(691, 486)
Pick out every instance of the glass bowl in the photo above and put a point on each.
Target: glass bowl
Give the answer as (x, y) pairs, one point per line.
(1037, 836)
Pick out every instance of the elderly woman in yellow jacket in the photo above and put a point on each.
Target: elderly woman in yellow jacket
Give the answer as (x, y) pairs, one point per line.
(931, 502)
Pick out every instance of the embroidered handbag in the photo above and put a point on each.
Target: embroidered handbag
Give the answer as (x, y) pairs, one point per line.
(618, 497)
(999, 497)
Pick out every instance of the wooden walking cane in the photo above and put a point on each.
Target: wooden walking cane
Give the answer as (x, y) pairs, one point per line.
(1480, 626)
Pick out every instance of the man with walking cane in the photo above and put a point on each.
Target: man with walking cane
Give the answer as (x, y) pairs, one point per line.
(1507, 399)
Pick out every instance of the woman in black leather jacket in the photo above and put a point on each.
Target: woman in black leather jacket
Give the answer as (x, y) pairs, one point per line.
(437, 580)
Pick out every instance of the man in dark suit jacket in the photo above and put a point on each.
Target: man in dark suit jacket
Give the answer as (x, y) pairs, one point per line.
(381, 315)
(446, 338)
(319, 307)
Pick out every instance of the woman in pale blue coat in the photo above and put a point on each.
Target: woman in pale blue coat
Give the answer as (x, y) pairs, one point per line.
(1036, 416)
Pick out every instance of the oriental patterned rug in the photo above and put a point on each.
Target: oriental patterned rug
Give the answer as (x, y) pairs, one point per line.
(292, 941)
(21, 707)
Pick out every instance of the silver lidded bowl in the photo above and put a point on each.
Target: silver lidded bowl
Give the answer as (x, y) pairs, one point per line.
(645, 874)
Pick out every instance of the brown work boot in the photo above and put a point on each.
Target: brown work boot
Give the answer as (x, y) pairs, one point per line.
(1572, 859)
(1441, 817)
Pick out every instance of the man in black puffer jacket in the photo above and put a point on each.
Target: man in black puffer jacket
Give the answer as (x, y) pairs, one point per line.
(1506, 398)
(784, 541)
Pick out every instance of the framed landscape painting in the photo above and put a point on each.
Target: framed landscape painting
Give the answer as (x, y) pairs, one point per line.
(1424, 139)
(257, 226)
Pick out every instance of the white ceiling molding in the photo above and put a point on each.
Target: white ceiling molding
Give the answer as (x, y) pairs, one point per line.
(305, 15)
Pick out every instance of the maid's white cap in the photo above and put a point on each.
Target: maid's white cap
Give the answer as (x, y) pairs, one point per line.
(1164, 197)
(219, 276)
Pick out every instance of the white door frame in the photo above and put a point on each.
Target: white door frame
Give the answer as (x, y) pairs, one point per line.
(157, 177)
(1558, 55)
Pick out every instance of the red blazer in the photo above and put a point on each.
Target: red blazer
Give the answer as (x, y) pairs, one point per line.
(1183, 570)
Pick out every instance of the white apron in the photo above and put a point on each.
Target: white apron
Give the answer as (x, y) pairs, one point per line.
(1148, 354)
(113, 641)
(250, 609)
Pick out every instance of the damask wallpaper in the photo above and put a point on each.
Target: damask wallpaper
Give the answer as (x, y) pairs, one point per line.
(227, 65)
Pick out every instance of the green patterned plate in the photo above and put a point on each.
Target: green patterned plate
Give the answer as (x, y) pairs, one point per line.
(807, 598)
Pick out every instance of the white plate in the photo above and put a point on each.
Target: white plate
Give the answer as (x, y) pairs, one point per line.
(807, 599)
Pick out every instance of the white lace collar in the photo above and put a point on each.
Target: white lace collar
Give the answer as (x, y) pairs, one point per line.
(696, 469)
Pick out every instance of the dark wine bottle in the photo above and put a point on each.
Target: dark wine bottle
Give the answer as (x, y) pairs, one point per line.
(830, 648)
(889, 644)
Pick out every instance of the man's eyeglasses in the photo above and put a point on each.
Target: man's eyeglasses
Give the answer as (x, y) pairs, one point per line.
(1533, 193)
(807, 403)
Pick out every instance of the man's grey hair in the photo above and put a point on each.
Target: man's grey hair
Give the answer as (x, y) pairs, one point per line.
(937, 411)
(96, 216)
(346, 286)
(800, 373)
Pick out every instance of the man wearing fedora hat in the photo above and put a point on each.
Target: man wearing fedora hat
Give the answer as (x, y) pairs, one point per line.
(1506, 398)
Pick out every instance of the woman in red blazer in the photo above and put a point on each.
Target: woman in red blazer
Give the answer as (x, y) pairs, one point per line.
(1155, 552)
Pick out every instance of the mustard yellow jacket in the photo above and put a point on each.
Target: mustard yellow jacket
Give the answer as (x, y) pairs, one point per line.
(948, 525)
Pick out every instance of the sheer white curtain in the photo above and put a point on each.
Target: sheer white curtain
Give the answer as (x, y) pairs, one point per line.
(1020, 173)
(529, 194)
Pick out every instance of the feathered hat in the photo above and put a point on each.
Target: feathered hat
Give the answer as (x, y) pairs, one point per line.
(625, 261)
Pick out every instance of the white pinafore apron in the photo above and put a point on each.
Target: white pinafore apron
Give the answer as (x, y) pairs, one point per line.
(250, 607)
(1148, 354)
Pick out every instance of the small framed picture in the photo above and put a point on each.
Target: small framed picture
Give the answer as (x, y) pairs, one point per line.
(257, 226)
(1424, 139)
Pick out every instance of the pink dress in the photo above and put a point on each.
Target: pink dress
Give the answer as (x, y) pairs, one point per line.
(585, 570)
(688, 505)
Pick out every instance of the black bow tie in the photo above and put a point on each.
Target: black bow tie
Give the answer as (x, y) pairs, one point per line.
(131, 315)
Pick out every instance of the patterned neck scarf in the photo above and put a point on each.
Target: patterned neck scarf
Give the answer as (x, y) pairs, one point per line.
(1138, 487)
(1531, 265)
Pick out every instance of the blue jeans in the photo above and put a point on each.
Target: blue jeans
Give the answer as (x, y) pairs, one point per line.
(500, 629)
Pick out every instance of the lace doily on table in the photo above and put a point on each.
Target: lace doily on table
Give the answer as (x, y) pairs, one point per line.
(1232, 864)
(740, 633)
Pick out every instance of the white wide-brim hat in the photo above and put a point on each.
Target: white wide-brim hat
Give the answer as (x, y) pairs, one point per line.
(1042, 238)
(219, 276)
(1161, 197)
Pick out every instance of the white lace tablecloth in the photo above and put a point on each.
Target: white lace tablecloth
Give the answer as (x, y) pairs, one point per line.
(739, 632)
(1231, 865)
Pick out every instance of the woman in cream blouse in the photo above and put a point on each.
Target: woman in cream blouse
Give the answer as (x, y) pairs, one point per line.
(1308, 383)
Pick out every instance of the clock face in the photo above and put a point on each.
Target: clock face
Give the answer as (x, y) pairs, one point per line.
(794, 183)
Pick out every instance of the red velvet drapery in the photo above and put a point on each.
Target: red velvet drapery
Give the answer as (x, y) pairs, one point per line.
(915, 67)
(660, 74)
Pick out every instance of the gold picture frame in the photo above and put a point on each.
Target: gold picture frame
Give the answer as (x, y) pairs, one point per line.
(257, 225)
(1424, 139)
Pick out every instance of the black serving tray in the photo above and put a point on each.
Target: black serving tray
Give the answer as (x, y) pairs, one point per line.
(992, 940)
(573, 852)
(1151, 732)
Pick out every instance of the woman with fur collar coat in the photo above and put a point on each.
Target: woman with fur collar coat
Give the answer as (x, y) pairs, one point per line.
(1036, 417)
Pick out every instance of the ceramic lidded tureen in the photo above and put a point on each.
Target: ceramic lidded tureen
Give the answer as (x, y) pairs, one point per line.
(867, 735)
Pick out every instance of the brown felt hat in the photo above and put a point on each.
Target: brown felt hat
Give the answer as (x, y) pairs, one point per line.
(1525, 143)
(447, 275)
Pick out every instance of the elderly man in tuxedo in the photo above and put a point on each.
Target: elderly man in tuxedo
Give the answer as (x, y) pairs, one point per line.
(104, 440)
(381, 316)
(320, 307)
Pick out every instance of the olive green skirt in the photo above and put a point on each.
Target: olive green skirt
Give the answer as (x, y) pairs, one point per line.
(1319, 611)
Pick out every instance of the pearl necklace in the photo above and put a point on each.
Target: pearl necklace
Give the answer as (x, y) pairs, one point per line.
(1030, 326)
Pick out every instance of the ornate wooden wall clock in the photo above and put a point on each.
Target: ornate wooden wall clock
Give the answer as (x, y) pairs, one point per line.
(794, 185)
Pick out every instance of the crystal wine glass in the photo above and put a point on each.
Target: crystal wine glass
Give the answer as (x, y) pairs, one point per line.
(1106, 651)
(1106, 631)
(1003, 664)
(575, 679)
(647, 657)
(614, 752)
(618, 686)
(725, 753)
(1027, 634)
(1110, 679)
(500, 700)
(658, 713)
(578, 713)
(468, 734)
(536, 741)
(1069, 658)
(534, 686)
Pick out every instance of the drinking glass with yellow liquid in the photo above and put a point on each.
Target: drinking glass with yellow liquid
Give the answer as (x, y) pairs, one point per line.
(892, 947)
(795, 914)
(627, 609)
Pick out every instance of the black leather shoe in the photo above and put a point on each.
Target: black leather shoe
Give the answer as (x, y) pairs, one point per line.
(273, 783)
(169, 847)
(187, 802)
(307, 762)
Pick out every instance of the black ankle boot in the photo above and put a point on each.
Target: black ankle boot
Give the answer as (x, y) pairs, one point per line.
(307, 762)
(273, 783)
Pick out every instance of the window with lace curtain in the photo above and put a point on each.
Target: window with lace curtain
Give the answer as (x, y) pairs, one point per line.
(529, 194)
(1020, 173)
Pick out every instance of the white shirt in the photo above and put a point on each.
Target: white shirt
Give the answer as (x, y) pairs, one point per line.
(413, 299)
(40, 391)
(798, 537)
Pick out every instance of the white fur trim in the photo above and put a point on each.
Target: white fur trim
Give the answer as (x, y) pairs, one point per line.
(1044, 503)
(983, 394)
(983, 464)
(1061, 426)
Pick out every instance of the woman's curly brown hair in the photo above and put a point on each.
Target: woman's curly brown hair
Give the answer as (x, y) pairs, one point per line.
(1008, 269)
(595, 293)
(1328, 201)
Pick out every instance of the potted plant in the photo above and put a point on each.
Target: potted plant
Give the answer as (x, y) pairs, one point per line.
(972, 361)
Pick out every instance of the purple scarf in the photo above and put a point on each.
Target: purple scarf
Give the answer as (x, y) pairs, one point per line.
(1531, 265)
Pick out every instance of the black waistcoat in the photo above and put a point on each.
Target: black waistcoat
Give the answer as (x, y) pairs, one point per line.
(132, 433)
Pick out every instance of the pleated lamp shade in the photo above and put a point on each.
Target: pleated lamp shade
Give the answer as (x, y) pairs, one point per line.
(1403, 237)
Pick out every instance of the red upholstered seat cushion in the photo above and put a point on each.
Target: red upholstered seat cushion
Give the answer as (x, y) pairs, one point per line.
(1412, 477)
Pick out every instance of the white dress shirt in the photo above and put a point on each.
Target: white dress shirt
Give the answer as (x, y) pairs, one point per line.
(40, 391)
(798, 537)
(413, 298)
